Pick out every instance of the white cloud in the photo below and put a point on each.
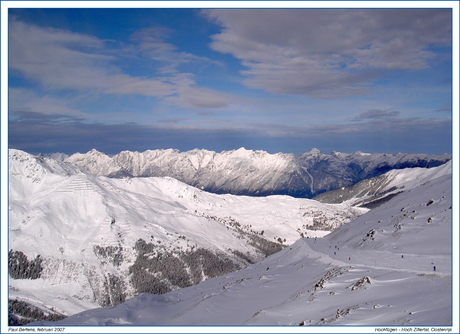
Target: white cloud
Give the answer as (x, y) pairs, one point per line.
(151, 43)
(59, 59)
(22, 99)
(328, 52)
(190, 96)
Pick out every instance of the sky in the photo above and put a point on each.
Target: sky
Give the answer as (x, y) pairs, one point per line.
(278, 80)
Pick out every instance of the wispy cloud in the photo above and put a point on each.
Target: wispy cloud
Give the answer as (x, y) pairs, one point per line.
(151, 42)
(59, 59)
(328, 52)
(206, 113)
(446, 108)
(49, 119)
(375, 114)
(21, 99)
(190, 96)
(172, 120)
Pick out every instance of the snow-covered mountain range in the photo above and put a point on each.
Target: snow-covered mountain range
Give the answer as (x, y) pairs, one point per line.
(247, 172)
(79, 241)
(389, 267)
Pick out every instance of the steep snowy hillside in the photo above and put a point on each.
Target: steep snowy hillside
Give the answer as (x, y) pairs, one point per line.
(375, 191)
(78, 241)
(246, 172)
(391, 267)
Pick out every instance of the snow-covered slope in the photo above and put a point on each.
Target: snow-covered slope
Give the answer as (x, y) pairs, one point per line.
(78, 241)
(391, 266)
(373, 192)
(247, 172)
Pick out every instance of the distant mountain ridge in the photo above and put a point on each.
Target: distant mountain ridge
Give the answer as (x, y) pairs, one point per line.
(253, 173)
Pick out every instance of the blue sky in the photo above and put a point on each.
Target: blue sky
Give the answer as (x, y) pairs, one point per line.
(279, 80)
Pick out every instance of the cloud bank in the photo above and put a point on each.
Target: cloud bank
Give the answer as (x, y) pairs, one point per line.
(326, 53)
(37, 133)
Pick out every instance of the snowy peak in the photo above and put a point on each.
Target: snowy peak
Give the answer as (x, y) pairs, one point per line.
(314, 151)
(57, 156)
(339, 155)
(35, 168)
(312, 154)
(94, 162)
